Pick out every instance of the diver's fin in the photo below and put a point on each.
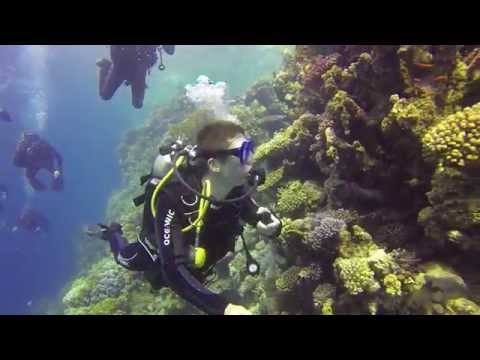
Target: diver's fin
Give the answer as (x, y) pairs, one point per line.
(169, 49)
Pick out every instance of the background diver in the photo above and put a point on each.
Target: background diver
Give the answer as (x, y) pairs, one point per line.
(34, 154)
(3, 192)
(129, 65)
(5, 116)
(185, 235)
(32, 221)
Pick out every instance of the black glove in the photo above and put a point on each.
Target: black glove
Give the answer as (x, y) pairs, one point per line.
(108, 231)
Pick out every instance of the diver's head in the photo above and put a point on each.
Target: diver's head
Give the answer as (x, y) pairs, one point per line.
(30, 136)
(227, 152)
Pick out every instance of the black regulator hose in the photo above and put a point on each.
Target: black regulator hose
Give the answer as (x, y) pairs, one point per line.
(256, 182)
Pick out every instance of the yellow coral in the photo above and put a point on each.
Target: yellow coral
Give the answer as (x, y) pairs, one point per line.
(454, 140)
(393, 286)
(327, 307)
(462, 306)
(414, 115)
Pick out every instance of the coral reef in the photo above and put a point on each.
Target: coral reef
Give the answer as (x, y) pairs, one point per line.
(455, 141)
(296, 198)
(373, 167)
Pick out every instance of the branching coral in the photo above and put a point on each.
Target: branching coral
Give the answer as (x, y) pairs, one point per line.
(356, 275)
(315, 70)
(288, 143)
(324, 236)
(323, 299)
(272, 178)
(297, 198)
(415, 115)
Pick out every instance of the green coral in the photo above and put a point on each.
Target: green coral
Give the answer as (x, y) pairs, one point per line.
(323, 299)
(291, 279)
(288, 280)
(101, 291)
(109, 306)
(189, 127)
(248, 117)
(392, 285)
(415, 115)
(272, 178)
(457, 85)
(455, 141)
(359, 245)
(381, 262)
(334, 79)
(343, 108)
(297, 197)
(360, 234)
(297, 133)
(78, 292)
(424, 215)
(462, 306)
(364, 267)
(293, 231)
(327, 307)
(356, 275)
(453, 216)
(437, 289)
(443, 277)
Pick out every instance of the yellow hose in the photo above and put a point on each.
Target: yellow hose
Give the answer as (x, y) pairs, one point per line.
(160, 185)
(204, 204)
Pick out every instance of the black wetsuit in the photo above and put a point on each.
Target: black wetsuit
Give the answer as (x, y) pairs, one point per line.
(34, 154)
(130, 64)
(164, 256)
(32, 220)
(5, 116)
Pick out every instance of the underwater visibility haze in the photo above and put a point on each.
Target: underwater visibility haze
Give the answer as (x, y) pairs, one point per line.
(309, 180)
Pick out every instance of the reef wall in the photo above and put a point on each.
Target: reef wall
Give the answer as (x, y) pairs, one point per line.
(373, 159)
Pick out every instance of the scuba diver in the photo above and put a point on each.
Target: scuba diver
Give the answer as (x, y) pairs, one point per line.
(191, 223)
(3, 192)
(3, 195)
(5, 116)
(129, 64)
(32, 221)
(34, 154)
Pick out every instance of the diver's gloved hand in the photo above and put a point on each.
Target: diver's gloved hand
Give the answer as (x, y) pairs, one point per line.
(232, 309)
(107, 232)
(269, 225)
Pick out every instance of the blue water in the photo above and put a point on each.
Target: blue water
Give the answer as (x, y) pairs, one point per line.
(53, 90)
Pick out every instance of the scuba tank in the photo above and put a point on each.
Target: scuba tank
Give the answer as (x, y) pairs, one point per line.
(160, 167)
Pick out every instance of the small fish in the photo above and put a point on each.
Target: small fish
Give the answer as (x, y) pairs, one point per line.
(5, 116)
(29, 303)
(441, 79)
(423, 66)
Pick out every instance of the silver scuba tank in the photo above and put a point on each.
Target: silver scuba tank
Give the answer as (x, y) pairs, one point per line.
(161, 165)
